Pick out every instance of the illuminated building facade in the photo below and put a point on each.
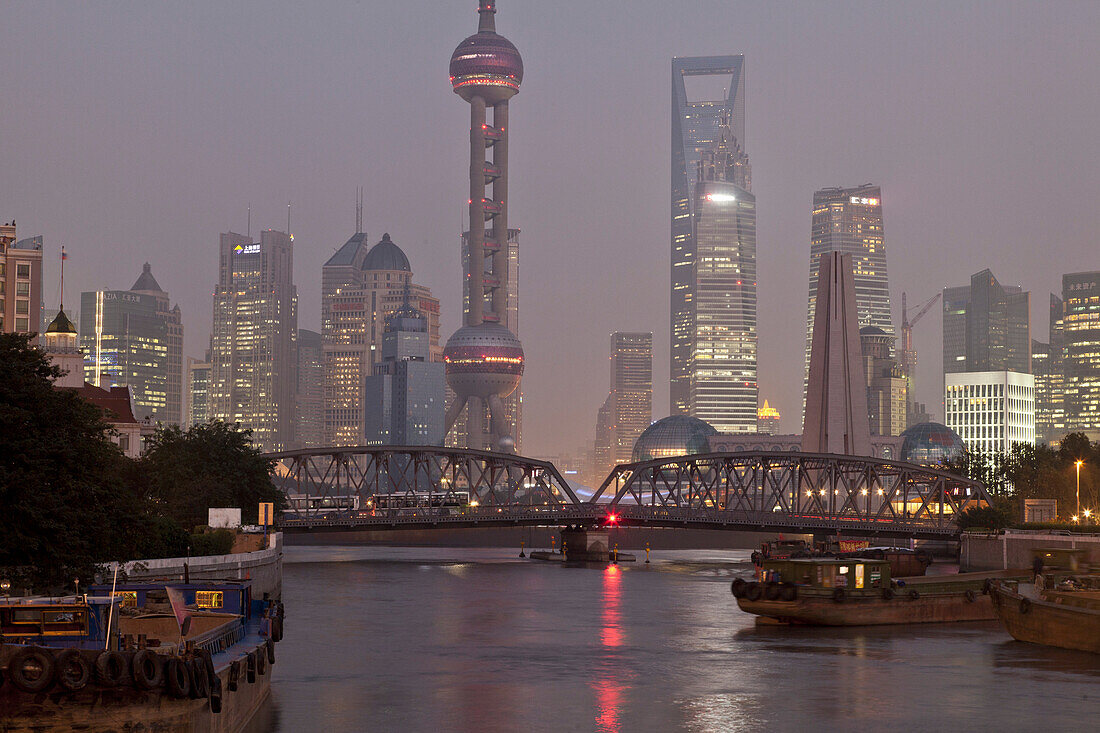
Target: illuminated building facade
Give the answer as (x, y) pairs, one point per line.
(767, 420)
(125, 342)
(986, 327)
(1081, 343)
(887, 387)
(602, 460)
(309, 407)
(990, 410)
(484, 359)
(198, 393)
(849, 220)
(1048, 366)
(708, 116)
(631, 406)
(253, 345)
(722, 386)
(405, 397)
(146, 284)
(20, 282)
(361, 285)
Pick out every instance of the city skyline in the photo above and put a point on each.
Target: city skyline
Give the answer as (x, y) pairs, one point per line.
(936, 213)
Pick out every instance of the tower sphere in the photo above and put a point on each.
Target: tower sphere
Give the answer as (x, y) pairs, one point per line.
(483, 361)
(486, 64)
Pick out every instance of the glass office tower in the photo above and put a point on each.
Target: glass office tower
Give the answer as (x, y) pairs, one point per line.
(708, 92)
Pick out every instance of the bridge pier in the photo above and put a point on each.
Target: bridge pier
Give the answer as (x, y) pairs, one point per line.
(584, 544)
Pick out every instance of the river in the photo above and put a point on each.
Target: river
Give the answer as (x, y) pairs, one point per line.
(431, 639)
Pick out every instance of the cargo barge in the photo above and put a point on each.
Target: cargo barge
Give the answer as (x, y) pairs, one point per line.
(120, 663)
(862, 592)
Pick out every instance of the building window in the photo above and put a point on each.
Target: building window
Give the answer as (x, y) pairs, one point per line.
(22, 324)
(23, 289)
(23, 270)
(22, 307)
(208, 598)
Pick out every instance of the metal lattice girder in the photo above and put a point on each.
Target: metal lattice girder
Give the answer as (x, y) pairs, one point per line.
(803, 487)
(487, 479)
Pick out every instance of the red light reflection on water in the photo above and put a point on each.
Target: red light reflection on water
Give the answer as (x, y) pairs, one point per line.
(607, 682)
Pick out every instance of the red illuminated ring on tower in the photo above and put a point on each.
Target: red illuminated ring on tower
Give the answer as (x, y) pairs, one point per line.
(483, 360)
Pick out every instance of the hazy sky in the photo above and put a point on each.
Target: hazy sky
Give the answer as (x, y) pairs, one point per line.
(139, 131)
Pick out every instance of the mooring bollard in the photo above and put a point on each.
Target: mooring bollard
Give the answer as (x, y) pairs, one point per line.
(521, 549)
(647, 553)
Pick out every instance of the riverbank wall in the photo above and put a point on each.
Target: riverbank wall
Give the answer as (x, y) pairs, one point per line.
(263, 567)
(1012, 549)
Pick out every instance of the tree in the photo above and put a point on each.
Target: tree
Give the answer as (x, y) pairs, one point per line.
(64, 498)
(209, 465)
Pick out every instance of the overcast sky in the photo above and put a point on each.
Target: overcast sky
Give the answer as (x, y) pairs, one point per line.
(139, 131)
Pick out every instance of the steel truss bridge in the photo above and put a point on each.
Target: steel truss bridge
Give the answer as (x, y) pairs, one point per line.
(419, 487)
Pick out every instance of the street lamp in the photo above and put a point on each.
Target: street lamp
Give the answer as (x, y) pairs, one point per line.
(1078, 464)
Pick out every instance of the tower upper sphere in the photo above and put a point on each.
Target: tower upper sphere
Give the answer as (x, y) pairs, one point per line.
(486, 64)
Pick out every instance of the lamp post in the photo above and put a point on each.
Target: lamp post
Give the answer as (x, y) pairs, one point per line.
(1078, 464)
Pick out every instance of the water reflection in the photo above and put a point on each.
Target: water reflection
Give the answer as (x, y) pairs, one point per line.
(607, 684)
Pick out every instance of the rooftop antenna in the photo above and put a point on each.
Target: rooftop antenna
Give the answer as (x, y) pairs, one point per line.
(61, 296)
(249, 231)
(288, 217)
(358, 209)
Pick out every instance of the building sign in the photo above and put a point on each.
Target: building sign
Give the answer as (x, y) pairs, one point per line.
(428, 306)
(247, 249)
(864, 201)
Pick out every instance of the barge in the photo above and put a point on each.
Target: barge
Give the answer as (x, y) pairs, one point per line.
(1068, 619)
(119, 662)
(862, 592)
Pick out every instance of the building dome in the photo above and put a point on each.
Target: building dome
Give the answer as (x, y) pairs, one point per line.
(486, 64)
(872, 331)
(386, 256)
(677, 435)
(483, 361)
(61, 324)
(930, 444)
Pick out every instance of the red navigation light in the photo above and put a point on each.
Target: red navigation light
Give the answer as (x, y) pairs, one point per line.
(612, 518)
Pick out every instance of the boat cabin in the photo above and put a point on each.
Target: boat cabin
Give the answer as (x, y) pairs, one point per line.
(217, 596)
(1074, 560)
(850, 573)
(73, 621)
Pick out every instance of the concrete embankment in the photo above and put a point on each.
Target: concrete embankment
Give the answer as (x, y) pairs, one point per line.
(1012, 549)
(263, 567)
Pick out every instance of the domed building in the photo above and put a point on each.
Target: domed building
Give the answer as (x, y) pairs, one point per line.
(676, 435)
(930, 444)
(362, 284)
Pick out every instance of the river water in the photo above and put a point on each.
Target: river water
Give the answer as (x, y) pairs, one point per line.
(430, 639)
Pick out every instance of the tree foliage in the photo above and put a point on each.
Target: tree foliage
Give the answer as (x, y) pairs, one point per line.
(210, 465)
(70, 500)
(65, 502)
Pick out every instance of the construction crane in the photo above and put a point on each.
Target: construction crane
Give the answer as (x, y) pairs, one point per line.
(908, 353)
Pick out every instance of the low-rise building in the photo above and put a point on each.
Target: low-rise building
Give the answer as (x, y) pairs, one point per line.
(991, 410)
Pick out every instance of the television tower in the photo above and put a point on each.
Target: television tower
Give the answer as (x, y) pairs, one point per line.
(484, 359)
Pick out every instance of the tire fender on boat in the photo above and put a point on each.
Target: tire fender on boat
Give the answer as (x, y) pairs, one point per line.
(753, 591)
(251, 667)
(887, 593)
(148, 670)
(970, 595)
(1025, 605)
(200, 685)
(216, 696)
(177, 678)
(914, 594)
(261, 661)
(234, 674)
(32, 669)
(737, 588)
(987, 586)
(74, 671)
(771, 591)
(270, 651)
(111, 668)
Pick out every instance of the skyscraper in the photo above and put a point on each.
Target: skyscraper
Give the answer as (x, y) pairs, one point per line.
(20, 282)
(708, 105)
(198, 392)
(125, 342)
(405, 395)
(360, 286)
(253, 344)
(1081, 341)
(484, 358)
(986, 327)
(631, 395)
(887, 387)
(146, 284)
(849, 220)
(722, 288)
(1048, 365)
(309, 406)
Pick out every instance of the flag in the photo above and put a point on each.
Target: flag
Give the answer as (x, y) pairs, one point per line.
(64, 254)
(179, 607)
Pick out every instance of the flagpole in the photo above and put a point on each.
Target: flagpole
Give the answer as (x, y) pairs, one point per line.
(62, 297)
(111, 605)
